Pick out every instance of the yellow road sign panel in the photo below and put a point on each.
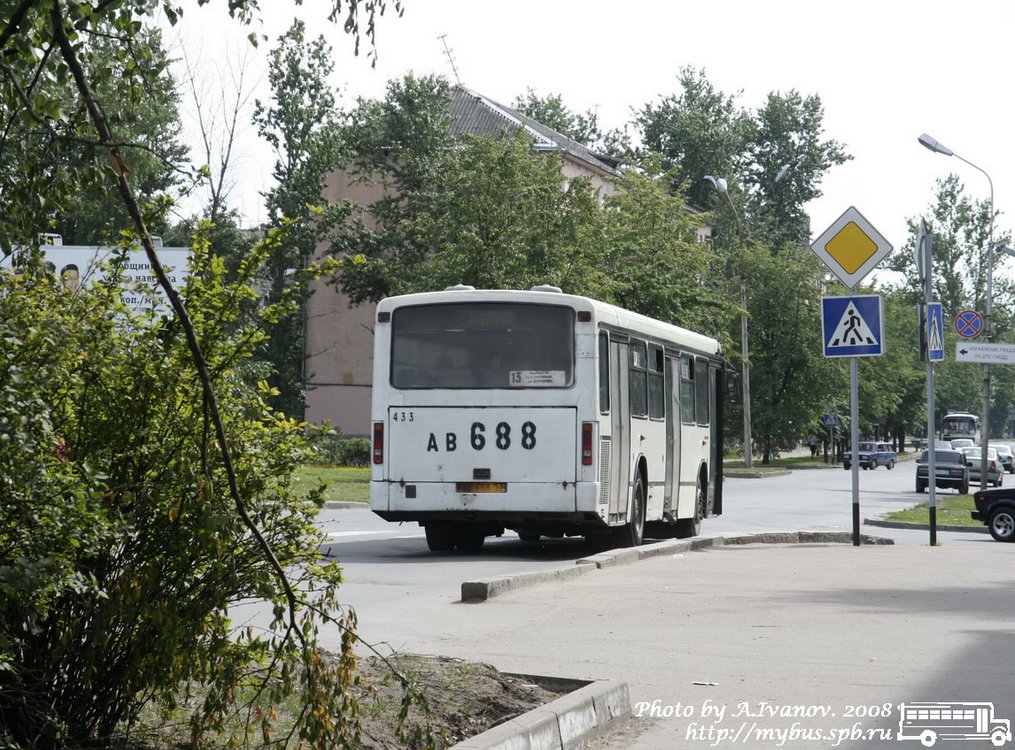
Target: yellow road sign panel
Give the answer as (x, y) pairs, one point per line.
(851, 247)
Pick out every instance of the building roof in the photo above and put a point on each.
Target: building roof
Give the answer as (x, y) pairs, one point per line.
(475, 114)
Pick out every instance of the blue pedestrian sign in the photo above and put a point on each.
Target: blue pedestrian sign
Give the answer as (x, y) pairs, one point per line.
(853, 326)
(935, 333)
(830, 420)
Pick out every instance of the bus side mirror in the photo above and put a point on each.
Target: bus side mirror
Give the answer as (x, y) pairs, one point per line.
(734, 388)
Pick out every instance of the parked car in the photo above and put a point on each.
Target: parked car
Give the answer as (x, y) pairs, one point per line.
(974, 458)
(871, 456)
(996, 508)
(950, 470)
(1004, 452)
(960, 443)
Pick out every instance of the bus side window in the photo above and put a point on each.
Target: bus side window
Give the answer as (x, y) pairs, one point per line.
(604, 372)
(656, 400)
(638, 384)
(701, 391)
(687, 395)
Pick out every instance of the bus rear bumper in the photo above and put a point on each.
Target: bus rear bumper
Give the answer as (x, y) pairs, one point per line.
(564, 501)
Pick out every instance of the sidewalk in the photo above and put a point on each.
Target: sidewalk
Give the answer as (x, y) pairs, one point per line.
(824, 640)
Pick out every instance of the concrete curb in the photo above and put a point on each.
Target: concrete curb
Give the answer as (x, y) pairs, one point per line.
(344, 504)
(485, 588)
(568, 722)
(982, 529)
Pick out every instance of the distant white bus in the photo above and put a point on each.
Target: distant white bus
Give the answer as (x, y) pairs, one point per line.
(543, 413)
(930, 722)
(960, 425)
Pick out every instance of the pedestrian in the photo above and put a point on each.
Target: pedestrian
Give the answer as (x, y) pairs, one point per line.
(813, 443)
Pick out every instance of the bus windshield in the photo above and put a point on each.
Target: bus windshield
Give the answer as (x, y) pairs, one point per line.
(482, 345)
(960, 425)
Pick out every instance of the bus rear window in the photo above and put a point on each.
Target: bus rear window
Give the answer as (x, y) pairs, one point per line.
(482, 345)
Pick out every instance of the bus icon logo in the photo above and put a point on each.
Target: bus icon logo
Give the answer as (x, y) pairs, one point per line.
(930, 722)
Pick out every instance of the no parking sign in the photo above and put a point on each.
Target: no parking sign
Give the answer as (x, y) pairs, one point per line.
(969, 324)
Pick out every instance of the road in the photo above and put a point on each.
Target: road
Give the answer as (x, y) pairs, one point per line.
(390, 572)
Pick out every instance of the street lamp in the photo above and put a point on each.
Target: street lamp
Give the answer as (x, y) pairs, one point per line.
(937, 147)
(720, 184)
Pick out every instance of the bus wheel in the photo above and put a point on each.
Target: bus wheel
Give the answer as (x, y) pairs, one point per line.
(998, 738)
(632, 533)
(470, 541)
(688, 527)
(439, 537)
(928, 738)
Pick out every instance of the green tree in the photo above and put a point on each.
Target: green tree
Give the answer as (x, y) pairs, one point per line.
(700, 131)
(553, 113)
(787, 160)
(137, 466)
(961, 228)
(300, 123)
(655, 261)
(791, 381)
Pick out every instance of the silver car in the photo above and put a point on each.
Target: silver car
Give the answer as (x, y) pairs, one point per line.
(995, 471)
(1004, 453)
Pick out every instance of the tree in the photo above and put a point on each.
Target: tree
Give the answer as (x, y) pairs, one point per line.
(960, 233)
(301, 125)
(787, 160)
(654, 259)
(553, 113)
(133, 521)
(791, 382)
(699, 131)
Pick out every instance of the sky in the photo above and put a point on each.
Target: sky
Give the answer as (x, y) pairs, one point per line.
(886, 71)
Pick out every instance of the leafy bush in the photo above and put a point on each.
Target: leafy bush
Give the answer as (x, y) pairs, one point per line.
(341, 451)
(121, 546)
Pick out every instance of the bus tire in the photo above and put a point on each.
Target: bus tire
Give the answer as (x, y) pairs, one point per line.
(690, 527)
(632, 533)
(469, 540)
(998, 738)
(439, 537)
(928, 738)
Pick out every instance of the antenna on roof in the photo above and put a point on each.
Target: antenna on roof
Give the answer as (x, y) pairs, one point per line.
(450, 56)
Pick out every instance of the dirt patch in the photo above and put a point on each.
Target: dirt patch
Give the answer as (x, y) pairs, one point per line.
(464, 699)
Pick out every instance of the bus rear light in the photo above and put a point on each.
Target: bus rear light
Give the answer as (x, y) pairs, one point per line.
(378, 451)
(587, 443)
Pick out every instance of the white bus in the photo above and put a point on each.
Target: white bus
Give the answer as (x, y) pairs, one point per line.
(544, 413)
(930, 722)
(960, 425)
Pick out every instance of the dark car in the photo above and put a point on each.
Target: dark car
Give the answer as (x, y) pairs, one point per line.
(872, 455)
(996, 508)
(949, 468)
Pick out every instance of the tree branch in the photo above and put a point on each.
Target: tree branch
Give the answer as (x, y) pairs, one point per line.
(120, 167)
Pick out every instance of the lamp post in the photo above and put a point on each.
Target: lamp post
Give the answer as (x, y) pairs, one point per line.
(720, 184)
(937, 147)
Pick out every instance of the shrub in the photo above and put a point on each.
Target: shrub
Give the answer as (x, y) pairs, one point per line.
(341, 451)
(121, 548)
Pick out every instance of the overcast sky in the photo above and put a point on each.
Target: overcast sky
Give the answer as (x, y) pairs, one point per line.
(885, 70)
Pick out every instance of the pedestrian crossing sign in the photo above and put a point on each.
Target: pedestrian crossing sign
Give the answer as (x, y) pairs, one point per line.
(853, 326)
(935, 333)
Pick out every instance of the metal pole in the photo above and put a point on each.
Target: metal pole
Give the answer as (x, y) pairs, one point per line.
(744, 352)
(988, 308)
(928, 293)
(854, 436)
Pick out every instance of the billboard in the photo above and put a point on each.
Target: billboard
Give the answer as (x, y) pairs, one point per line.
(75, 266)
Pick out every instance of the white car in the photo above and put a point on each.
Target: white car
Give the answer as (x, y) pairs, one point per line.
(995, 471)
(960, 443)
(1004, 452)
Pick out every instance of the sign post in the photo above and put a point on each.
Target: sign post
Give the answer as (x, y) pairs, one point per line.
(851, 248)
(925, 265)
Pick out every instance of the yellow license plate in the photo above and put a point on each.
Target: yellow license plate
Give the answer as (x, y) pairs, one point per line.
(481, 487)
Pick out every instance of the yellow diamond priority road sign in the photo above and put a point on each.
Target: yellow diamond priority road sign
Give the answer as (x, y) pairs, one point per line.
(851, 247)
